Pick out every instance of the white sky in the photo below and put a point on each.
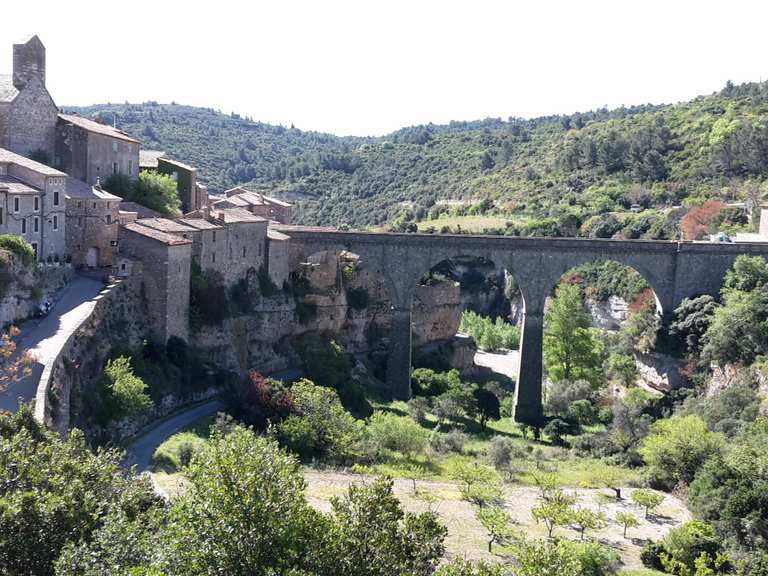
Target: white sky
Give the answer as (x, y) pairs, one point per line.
(369, 67)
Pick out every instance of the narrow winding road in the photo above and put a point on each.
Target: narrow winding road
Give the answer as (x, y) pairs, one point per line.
(45, 337)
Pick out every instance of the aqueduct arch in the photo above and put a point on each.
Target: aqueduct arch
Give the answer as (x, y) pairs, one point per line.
(674, 270)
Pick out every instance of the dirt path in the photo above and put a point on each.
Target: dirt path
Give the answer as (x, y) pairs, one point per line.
(465, 534)
(500, 362)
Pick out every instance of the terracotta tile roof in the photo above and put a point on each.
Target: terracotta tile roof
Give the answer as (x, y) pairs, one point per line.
(11, 185)
(239, 195)
(96, 127)
(8, 91)
(166, 225)
(160, 236)
(235, 190)
(236, 215)
(141, 210)
(179, 164)
(235, 201)
(271, 200)
(149, 158)
(199, 223)
(78, 189)
(6, 156)
(273, 234)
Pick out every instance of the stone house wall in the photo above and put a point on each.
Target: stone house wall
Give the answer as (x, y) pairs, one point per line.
(91, 224)
(165, 282)
(44, 228)
(246, 243)
(5, 115)
(277, 258)
(32, 120)
(89, 156)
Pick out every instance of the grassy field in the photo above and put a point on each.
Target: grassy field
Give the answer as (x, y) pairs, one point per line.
(469, 223)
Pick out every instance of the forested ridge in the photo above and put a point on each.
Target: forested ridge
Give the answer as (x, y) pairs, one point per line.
(559, 175)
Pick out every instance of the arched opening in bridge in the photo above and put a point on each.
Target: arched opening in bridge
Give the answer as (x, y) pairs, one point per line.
(465, 314)
(602, 321)
(342, 303)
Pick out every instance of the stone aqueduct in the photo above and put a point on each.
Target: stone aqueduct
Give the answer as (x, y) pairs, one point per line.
(674, 270)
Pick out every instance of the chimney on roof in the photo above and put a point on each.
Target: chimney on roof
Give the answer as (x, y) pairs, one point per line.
(28, 62)
(98, 183)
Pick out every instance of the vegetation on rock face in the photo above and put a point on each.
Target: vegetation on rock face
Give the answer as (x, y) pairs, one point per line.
(19, 247)
(124, 393)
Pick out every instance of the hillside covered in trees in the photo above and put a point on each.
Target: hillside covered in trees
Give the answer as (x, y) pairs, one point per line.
(559, 175)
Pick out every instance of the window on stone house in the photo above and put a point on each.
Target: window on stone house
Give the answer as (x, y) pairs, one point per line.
(114, 167)
(214, 236)
(23, 225)
(34, 249)
(114, 146)
(79, 221)
(55, 222)
(109, 218)
(130, 167)
(1, 217)
(16, 204)
(55, 198)
(213, 257)
(94, 204)
(79, 204)
(37, 203)
(36, 227)
(243, 251)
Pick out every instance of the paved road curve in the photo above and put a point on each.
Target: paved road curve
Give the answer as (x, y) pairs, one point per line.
(139, 452)
(45, 337)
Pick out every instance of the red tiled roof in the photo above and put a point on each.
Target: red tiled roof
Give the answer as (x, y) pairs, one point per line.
(164, 237)
(96, 127)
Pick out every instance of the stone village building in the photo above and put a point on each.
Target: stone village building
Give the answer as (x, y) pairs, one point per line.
(65, 214)
(92, 152)
(28, 114)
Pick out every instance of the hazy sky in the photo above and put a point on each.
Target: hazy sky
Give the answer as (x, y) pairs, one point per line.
(367, 68)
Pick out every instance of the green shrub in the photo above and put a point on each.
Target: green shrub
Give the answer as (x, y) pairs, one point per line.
(177, 452)
(488, 334)
(121, 392)
(446, 442)
(321, 427)
(327, 364)
(158, 192)
(427, 382)
(387, 432)
(677, 447)
(19, 247)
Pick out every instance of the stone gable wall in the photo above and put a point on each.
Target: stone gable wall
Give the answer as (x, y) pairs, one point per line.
(33, 117)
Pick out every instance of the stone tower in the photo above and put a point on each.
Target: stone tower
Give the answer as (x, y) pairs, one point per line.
(28, 62)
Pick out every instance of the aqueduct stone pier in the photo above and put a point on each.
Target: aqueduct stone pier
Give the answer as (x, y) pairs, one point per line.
(674, 270)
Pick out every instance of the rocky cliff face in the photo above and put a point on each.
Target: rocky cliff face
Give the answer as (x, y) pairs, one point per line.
(334, 296)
